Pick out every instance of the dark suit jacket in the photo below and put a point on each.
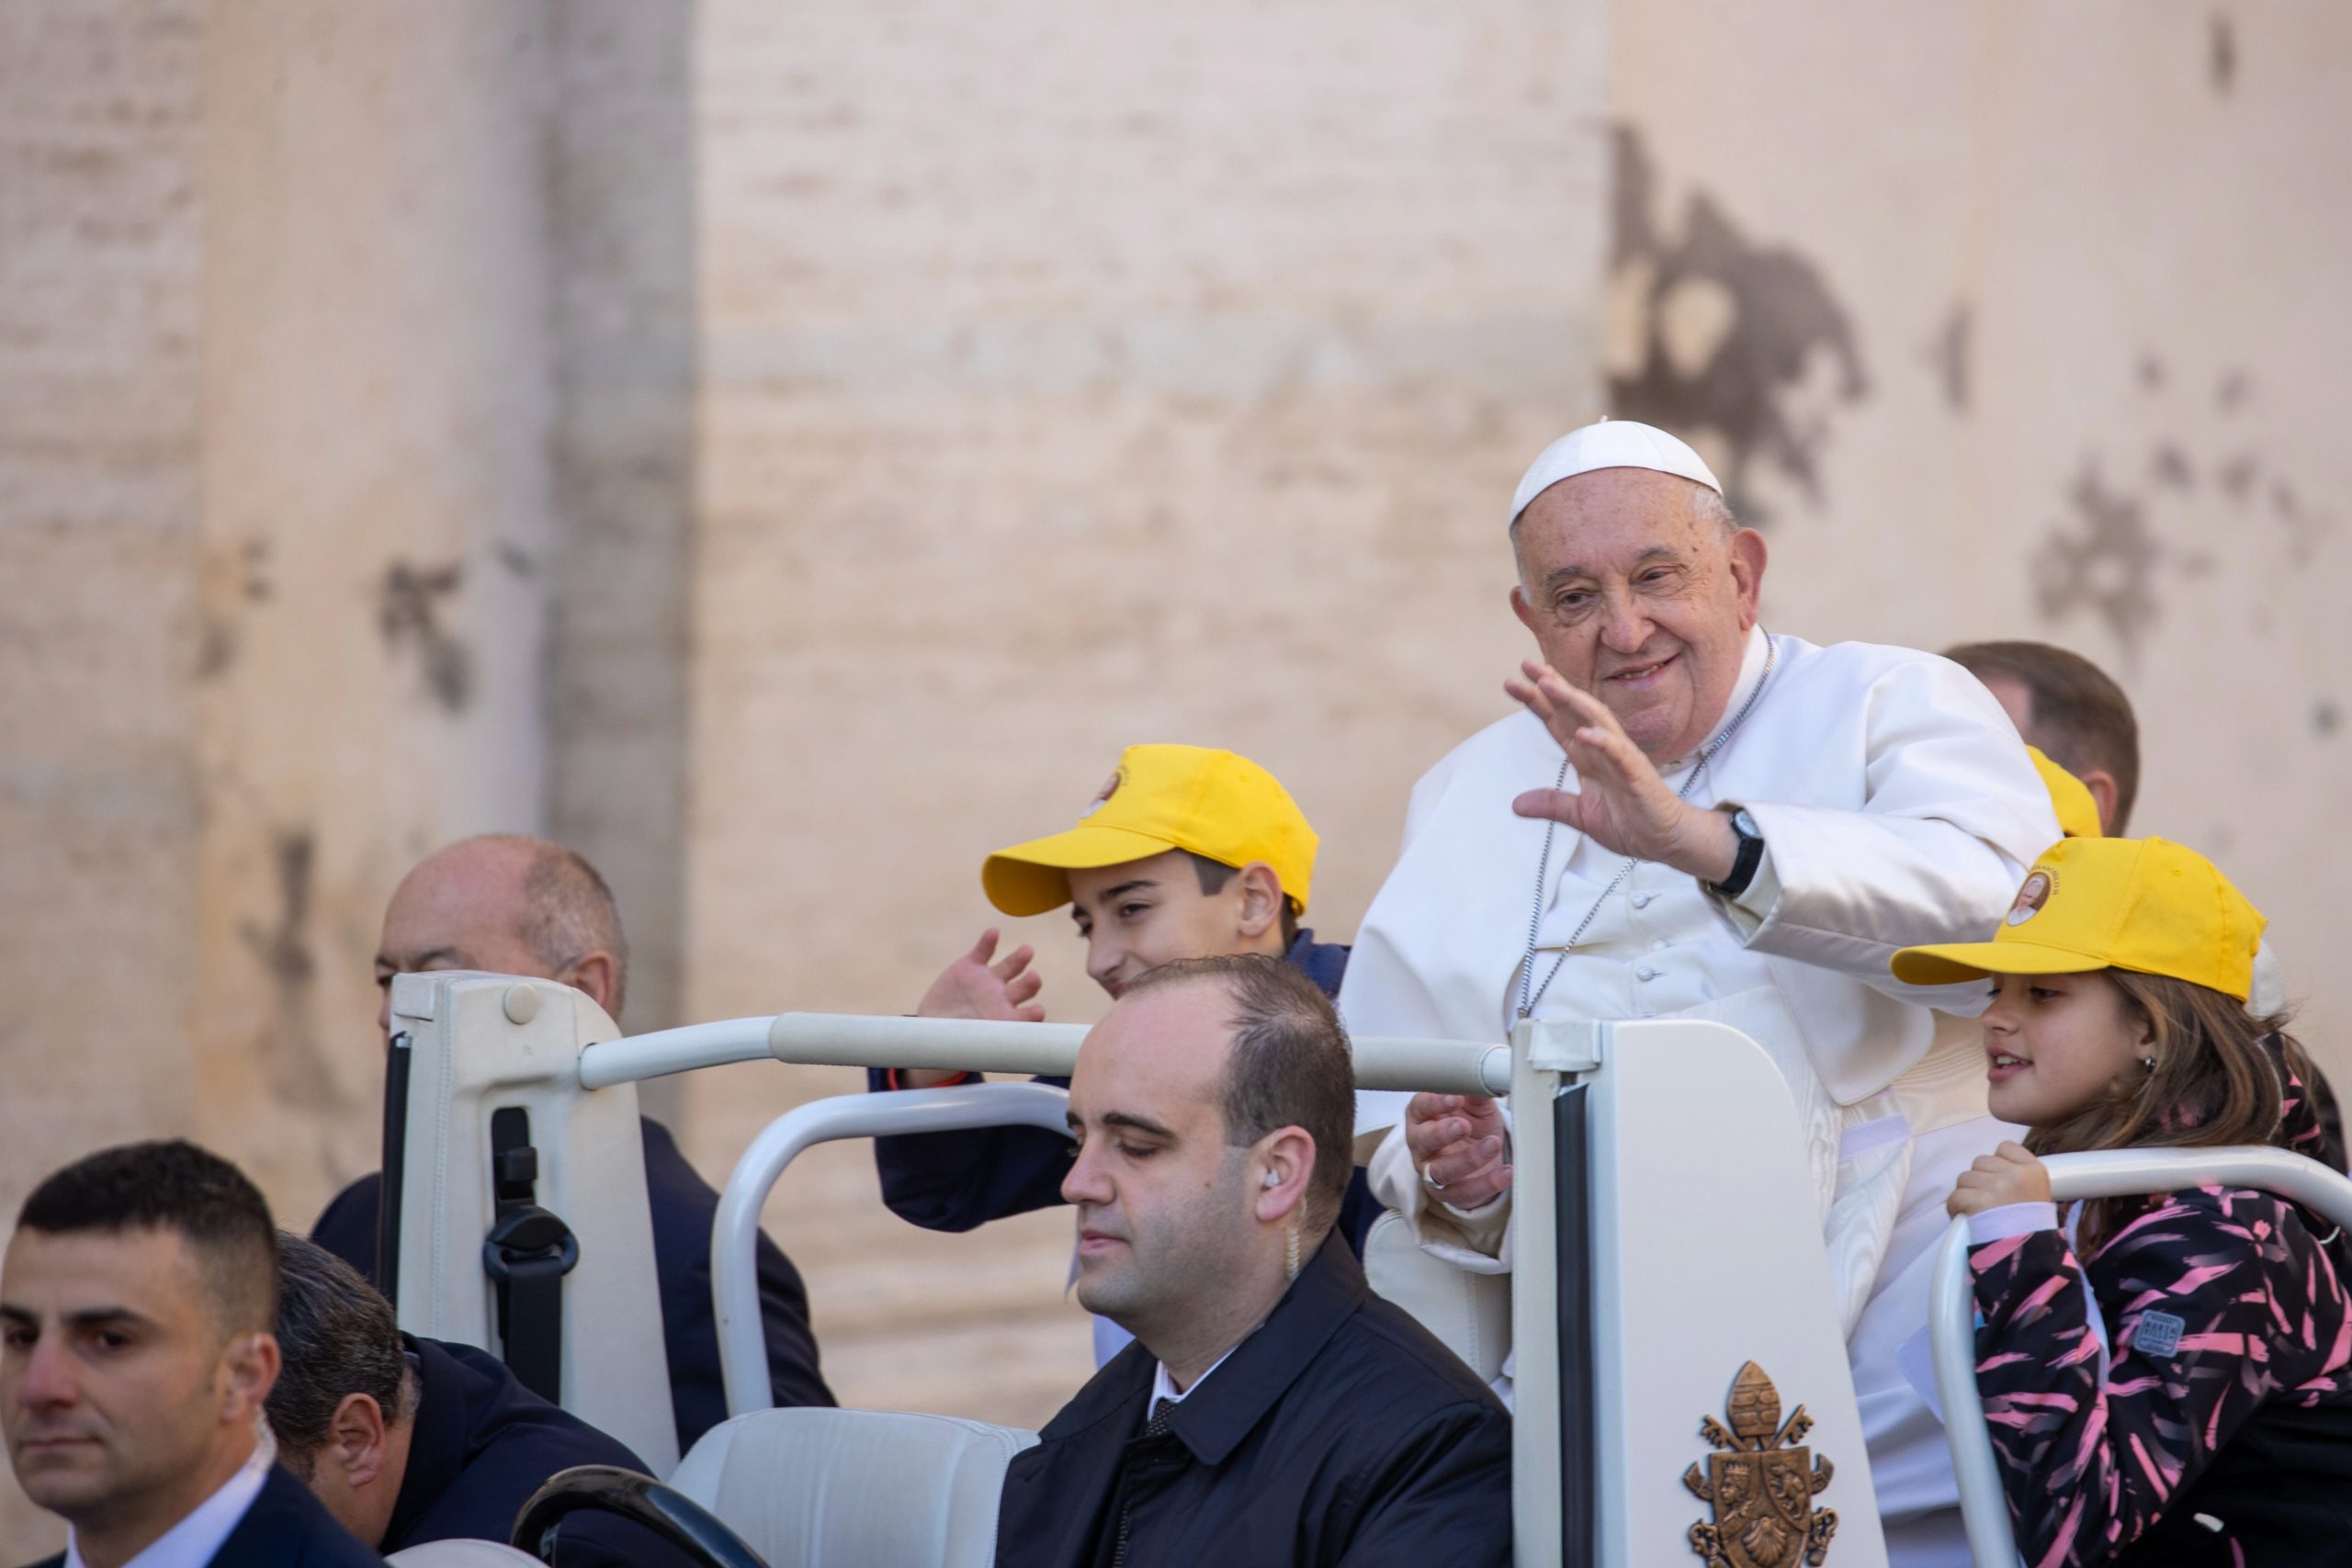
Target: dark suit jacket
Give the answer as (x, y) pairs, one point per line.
(683, 1205)
(285, 1528)
(1339, 1432)
(482, 1443)
(957, 1182)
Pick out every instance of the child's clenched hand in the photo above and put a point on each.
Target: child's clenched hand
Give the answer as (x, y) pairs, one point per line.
(2008, 1175)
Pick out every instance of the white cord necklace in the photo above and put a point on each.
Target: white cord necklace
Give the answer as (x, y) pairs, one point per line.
(1527, 998)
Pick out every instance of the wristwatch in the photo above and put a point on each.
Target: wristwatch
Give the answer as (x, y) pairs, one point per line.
(1750, 856)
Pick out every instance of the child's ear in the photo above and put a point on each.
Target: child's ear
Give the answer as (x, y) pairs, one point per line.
(1261, 899)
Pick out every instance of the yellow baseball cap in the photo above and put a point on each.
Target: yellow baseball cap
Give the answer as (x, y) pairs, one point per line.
(2069, 797)
(1217, 805)
(2147, 905)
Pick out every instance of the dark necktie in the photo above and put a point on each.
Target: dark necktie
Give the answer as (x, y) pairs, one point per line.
(1155, 1427)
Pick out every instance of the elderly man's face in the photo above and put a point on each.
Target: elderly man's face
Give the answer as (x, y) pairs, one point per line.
(1166, 1219)
(1637, 596)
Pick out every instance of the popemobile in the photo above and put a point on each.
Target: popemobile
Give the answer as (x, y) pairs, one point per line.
(1682, 1390)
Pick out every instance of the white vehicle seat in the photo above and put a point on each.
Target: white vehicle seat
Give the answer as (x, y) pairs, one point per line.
(1470, 1314)
(460, 1554)
(847, 1488)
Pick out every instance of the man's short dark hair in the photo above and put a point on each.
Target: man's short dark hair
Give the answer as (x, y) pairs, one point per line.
(2082, 720)
(173, 1186)
(569, 911)
(337, 1337)
(1212, 874)
(1291, 1065)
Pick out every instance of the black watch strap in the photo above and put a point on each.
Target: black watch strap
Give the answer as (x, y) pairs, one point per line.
(1744, 865)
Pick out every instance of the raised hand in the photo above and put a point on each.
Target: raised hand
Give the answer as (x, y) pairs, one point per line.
(1622, 801)
(980, 985)
(1460, 1147)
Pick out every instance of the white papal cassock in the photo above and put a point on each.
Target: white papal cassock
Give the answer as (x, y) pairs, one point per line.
(1897, 806)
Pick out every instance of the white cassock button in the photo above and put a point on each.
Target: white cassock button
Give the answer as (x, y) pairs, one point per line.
(1645, 973)
(1660, 945)
(1642, 901)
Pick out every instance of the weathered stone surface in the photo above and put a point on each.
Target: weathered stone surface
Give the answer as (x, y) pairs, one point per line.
(100, 267)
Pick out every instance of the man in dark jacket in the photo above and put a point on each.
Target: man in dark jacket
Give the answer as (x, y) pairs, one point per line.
(518, 906)
(1272, 1411)
(135, 1353)
(409, 1440)
(1185, 852)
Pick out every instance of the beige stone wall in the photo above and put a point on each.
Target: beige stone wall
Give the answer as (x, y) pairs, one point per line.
(1073, 377)
(275, 419)
(100, 267)
(376, 413)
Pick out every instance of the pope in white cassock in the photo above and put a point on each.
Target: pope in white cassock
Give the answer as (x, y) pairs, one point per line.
(1694, 818)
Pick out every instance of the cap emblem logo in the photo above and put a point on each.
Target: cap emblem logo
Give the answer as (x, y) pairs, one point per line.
(2030, 899)
(1110, 787)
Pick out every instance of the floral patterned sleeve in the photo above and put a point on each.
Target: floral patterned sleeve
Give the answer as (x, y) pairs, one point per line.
(2215, 1302)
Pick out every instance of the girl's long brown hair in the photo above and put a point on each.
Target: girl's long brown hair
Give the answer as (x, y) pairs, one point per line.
(2215, 1081)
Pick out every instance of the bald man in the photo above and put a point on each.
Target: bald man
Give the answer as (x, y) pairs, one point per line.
(512, 904)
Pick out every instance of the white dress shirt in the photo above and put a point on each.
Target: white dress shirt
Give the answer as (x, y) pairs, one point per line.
(195, 1539)
(1164, 1387)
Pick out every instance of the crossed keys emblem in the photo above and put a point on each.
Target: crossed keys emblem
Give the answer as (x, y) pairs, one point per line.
(1762, 1484)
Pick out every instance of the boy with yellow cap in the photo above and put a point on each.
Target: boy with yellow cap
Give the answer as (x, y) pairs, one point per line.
(1185, 852)
(2166, 1379)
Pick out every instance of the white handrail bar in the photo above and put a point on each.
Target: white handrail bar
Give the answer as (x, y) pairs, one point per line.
(959, 1044)
(2109, 1173)
(734, 1233)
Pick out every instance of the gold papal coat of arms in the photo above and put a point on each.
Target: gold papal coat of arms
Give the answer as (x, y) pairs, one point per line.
(1762, 1484)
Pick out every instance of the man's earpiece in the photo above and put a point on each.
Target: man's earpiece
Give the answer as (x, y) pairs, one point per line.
(1273, 1180)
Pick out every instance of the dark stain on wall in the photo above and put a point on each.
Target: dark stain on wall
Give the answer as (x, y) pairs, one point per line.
(1948, 356)
(2171, 467)
(409, 604)
(1782, 315)
(246, 571)
(2110, 559)
(2221, 56)
(2105, 564)
(298, 1075)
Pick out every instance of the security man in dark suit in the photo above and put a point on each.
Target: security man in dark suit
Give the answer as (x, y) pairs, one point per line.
(1271, 1410)
(518, 906)
(409, 1440)
(135, 1353)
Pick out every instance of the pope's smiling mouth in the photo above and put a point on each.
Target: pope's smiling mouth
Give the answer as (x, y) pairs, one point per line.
(1642, 674)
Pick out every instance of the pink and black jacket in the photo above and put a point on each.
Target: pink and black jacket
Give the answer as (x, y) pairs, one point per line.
(2196, 1407)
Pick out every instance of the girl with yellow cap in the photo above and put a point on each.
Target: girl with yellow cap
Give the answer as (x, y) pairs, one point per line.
(2182, 1394)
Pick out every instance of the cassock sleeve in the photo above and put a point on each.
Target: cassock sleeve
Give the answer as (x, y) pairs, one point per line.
(1952, 815)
